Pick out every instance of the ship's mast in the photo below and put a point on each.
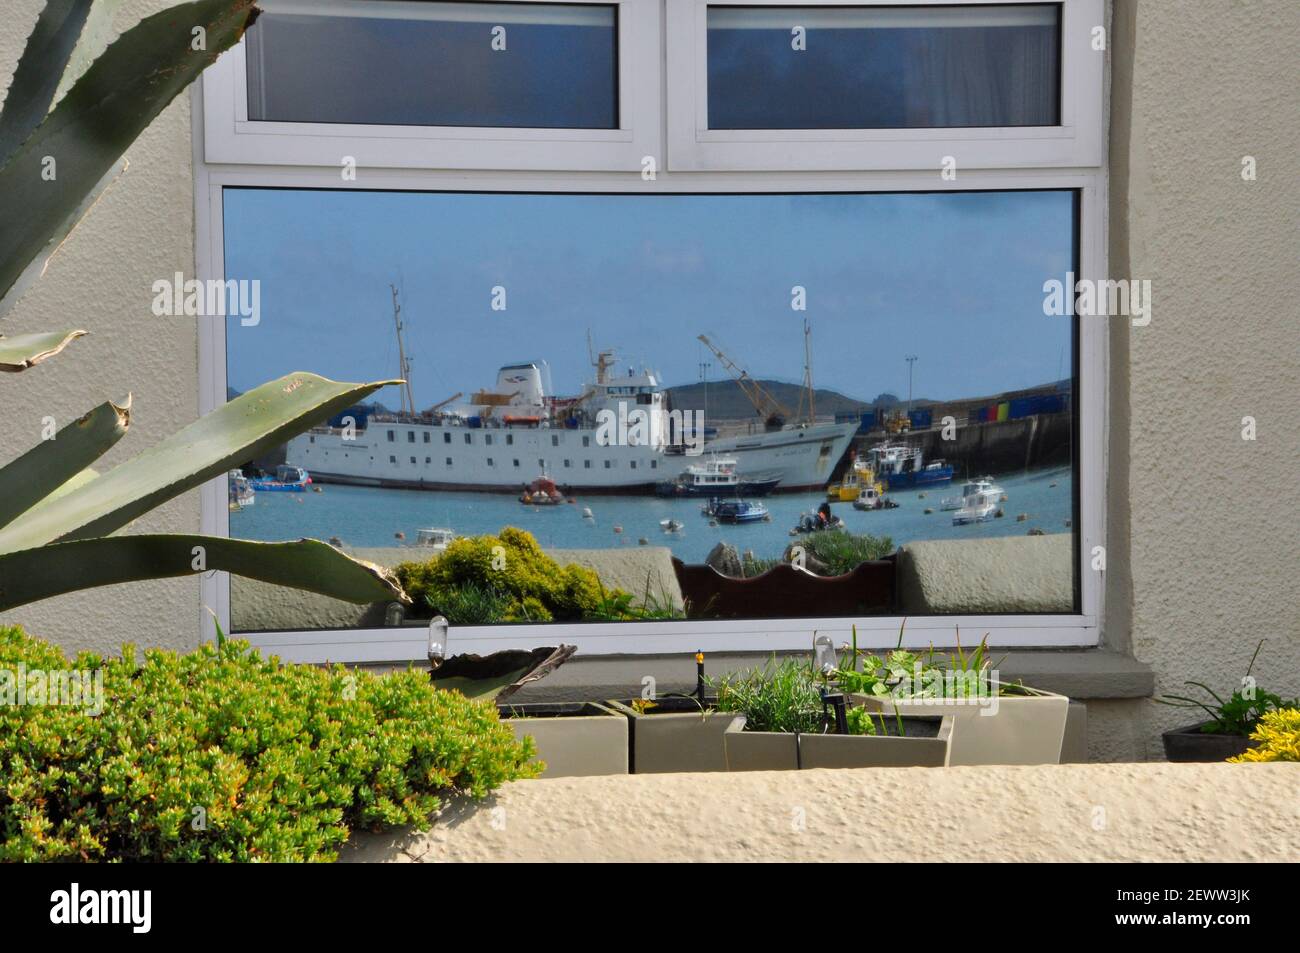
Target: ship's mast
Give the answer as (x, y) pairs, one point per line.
(403, 362)
(807, 371)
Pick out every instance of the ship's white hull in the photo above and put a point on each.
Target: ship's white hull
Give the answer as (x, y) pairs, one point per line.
(449, 457)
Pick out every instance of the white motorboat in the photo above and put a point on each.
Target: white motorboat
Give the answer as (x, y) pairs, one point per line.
(984, 487)
(436, 538)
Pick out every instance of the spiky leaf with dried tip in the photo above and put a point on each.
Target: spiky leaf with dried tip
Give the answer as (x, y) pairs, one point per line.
(243, 429)
(51, 464)
(34, 574)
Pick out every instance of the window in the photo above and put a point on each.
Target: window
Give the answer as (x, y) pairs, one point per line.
(410, 436)
(412, 461)
(357, 65)
(832, 238)
(550, 85)
(860, 84)
(391, 436)
(883, 67)
(392, 459)
(428, 461)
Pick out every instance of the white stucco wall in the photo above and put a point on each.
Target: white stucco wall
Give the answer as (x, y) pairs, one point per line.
(1202, 543)
(141, 230)
(1212, 518)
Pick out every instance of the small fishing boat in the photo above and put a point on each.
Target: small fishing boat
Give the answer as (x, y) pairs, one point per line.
(241, 492)
(903, 467)
(984, 486)
(437, 538)
(287, 479)
(872, 499)
(671, 525)
(715, 477)
(542, 492)
(739, 511)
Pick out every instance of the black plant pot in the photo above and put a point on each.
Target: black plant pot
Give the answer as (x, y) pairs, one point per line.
(1190, 744)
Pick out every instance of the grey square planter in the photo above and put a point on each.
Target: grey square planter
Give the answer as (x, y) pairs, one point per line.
(575, 739)
(676, 736)
(1022, 729)
(925, 743)
(759, 750)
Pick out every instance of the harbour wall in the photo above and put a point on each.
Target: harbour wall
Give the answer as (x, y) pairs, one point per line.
(1005, 446)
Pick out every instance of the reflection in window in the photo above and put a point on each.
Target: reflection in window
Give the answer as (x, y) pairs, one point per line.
(883, 67)
(524, 65)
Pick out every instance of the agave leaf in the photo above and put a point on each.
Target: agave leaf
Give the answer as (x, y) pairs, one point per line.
(495, 676)
(34, 574)
(94, 39)
(51, 464)
(21, 351)
(40, 70)
(77, 481)
(102, 114)
(247, 427)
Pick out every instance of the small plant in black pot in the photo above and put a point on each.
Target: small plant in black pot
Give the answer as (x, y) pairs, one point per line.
(1232, 720)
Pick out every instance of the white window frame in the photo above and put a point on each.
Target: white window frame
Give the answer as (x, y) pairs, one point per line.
(692, 147)
(410, 644)
(231, 137)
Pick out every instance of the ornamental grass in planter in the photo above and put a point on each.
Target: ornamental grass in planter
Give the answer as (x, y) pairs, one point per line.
(1228, 732)
(788, 724)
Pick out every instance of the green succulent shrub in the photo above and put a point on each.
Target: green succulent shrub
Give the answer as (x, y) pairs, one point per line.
(222, 755)
(506, 573)
(1276, 738)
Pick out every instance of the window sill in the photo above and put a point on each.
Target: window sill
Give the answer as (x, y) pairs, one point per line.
(1078, 673)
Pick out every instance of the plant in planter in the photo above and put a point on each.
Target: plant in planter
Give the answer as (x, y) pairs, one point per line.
(1232, 720)
(994, 722)
(788, 724)
(1275, 738)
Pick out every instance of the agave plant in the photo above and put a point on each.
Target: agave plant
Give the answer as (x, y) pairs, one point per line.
(75, 105)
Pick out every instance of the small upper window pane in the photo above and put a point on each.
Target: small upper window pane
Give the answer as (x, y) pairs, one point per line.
(528, 65)
(883, 67)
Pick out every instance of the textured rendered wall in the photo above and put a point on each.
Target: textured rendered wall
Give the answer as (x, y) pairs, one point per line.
(1076, 812)
(141, 230)
(1202, 541)
(1213, 554)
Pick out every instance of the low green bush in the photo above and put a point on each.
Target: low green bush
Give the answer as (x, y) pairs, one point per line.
(223, 755)
(507, 574)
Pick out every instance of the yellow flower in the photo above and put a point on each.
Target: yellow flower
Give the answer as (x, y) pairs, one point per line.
(1276, 737)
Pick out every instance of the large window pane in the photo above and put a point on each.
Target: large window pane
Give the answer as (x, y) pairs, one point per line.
(884, 359)
(436, 64)
(883, 67)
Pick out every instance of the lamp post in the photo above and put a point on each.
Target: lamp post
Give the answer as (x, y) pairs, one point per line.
(911, 360)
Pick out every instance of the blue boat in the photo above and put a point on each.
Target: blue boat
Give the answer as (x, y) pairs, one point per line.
(902, 467)
(736, 511)
(287, 479)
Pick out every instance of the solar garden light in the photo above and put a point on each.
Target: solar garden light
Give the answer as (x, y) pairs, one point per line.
(438, 636)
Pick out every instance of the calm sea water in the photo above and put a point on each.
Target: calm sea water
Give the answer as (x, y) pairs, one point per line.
(364, 516)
